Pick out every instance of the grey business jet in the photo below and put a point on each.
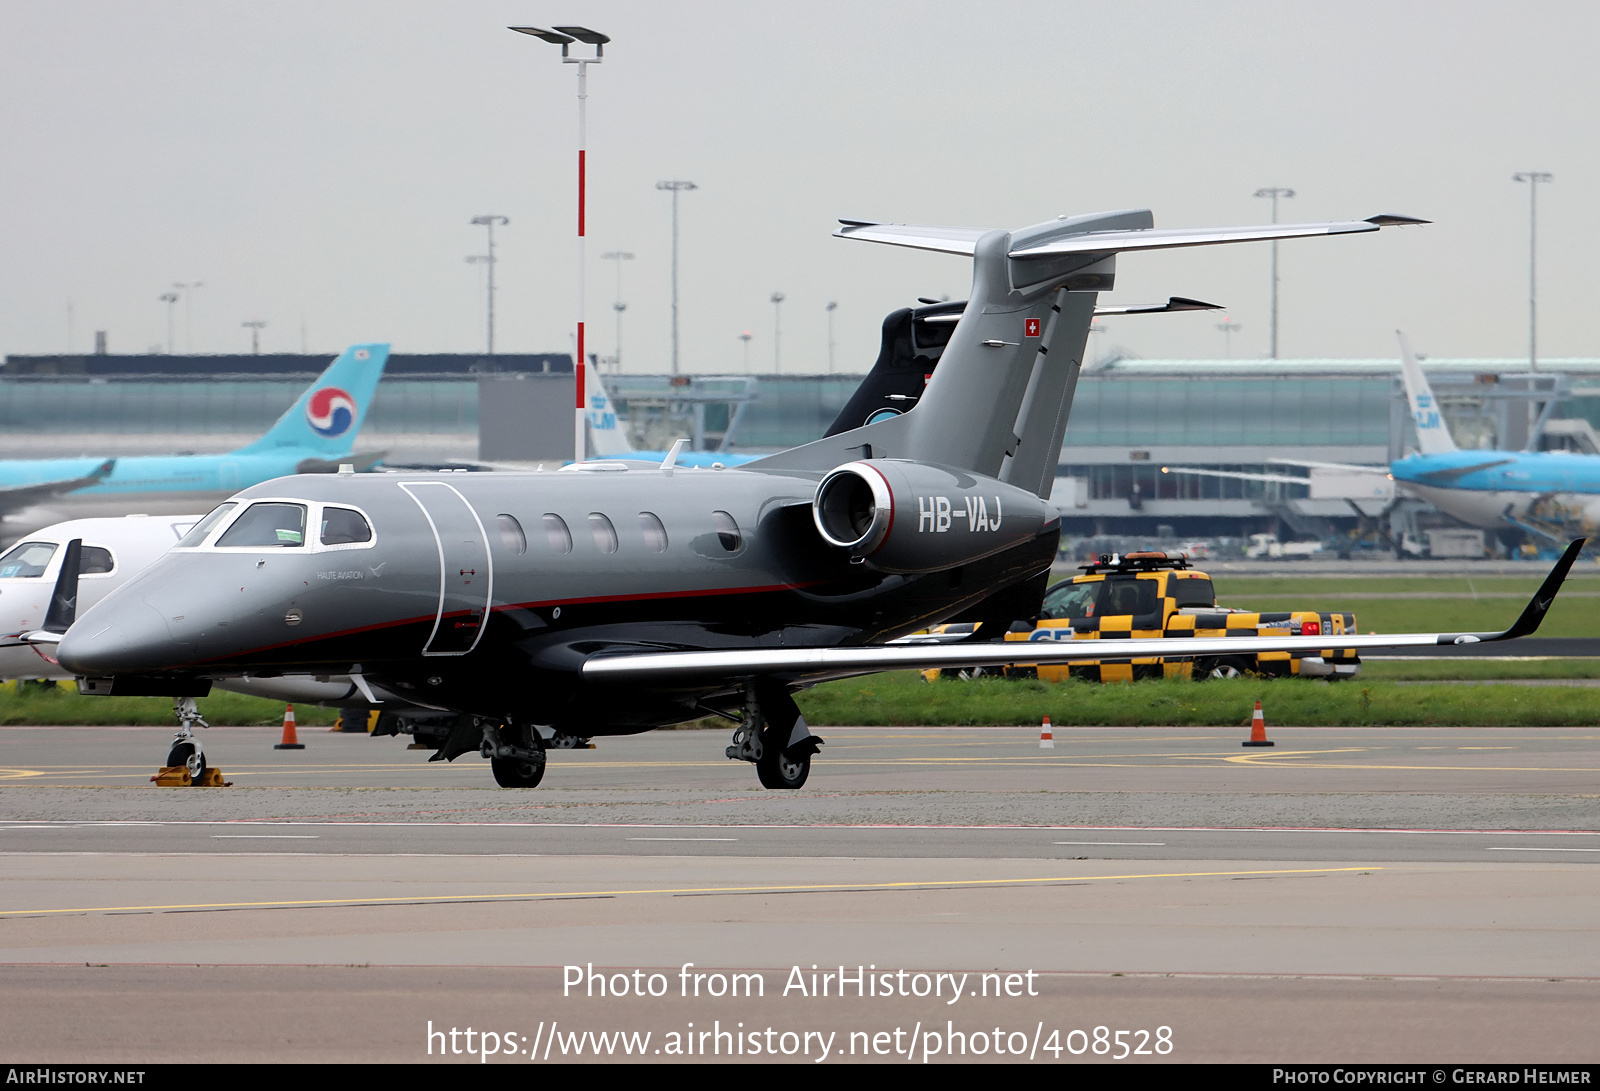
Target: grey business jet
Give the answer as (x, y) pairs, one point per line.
(529, 610)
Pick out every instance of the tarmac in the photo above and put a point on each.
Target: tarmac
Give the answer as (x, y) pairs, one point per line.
(1347, 895)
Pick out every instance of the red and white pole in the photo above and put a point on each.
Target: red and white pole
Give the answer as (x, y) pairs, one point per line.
(580, 446)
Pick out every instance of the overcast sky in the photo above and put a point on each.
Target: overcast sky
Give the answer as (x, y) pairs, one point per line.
(317, 163)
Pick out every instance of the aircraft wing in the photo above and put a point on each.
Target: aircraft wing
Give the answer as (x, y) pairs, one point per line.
(817, 663)
(1347, 467)
(25, 496)
(1237, 475)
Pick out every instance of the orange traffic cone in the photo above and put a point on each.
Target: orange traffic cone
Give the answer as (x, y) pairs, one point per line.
(290, 742)
(1258, 730)
(1046, 740)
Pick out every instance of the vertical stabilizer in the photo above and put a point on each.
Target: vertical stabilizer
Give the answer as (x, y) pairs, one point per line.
(328, 416)
(1433, 435)
(607, 436)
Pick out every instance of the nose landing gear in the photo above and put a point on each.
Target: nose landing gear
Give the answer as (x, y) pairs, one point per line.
(186, 761)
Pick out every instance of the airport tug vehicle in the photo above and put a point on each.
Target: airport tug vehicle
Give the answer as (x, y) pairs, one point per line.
(1154, 595)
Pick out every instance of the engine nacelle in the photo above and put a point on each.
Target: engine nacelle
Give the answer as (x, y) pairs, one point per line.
(907, 517)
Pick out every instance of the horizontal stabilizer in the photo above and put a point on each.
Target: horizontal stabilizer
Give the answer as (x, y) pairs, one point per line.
(1175, 303)
(1116, 242)
(944, 240)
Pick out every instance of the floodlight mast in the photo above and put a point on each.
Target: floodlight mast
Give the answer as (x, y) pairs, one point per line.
(564, 37)
(1274, 192)
(490, 260)
(1533, 178)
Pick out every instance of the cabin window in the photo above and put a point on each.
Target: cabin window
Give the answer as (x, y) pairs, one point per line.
(27, 560)
(727, 531)
(655, 534)
(205, 526)
(511, 535)
(555, 530)
(95, 561)
(267, 526)
(605, 535)
(342, 526)
(1071, 600)
(1193, 592)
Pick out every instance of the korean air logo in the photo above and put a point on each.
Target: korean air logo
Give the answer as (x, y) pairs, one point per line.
(330, 412)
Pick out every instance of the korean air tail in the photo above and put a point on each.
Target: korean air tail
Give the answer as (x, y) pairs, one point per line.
(1433, 436)
(328, 416)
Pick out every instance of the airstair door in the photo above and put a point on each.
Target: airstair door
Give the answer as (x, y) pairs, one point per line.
(466, 578)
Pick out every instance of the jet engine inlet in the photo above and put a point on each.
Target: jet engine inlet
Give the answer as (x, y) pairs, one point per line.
(853, 509)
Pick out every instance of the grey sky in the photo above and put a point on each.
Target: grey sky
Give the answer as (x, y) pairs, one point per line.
(322, 159)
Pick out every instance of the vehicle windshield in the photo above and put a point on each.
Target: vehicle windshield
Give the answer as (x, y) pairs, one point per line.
(206, 525)
(268, 526)
(27, 560)
(1072, 600)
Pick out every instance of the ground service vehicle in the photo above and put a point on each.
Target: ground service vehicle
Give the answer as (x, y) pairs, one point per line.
(1151, 595)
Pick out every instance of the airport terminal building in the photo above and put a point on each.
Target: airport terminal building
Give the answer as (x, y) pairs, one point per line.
(1131, 418)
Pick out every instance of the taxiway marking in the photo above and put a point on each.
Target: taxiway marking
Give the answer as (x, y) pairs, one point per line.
(926, 884)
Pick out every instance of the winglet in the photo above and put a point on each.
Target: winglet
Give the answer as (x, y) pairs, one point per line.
(1537, 607)
(1385, 220)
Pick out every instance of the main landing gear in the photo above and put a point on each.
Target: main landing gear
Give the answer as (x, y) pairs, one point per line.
(515, 753)
(773, 737)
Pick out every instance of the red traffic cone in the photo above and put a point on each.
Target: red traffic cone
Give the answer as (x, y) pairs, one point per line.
(1046, 740)
(1258, 730)
(290, 741)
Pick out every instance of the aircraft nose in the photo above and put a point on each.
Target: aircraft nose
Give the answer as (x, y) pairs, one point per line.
(133, 638)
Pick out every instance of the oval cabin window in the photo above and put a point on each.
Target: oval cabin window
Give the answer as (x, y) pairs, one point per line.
(511, 535)
(555, 530)
(655, 534)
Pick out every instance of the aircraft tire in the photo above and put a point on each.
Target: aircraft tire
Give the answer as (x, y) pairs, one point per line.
(776, 771)
(513, 773)
(181, 754)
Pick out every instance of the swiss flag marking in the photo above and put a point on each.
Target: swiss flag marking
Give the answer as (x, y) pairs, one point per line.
(1031, 327)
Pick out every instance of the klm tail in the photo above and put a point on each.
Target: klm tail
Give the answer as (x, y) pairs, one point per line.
(1433, 436)
(328, 416)
(607, 437)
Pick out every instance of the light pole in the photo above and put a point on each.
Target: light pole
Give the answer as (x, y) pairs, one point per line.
(1228, 327)
(745, 337)
(169, 298)
(255, 335)
(675, 187)
(489, 260)
(777, 331)
(618, 256)
(188, 313)
(831, 308)
(564, 37)
(1533, 178)
(1274, 192)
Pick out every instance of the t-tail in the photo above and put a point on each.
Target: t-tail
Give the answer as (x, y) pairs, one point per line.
(328, 416)
(998, 402)
(1433, 435)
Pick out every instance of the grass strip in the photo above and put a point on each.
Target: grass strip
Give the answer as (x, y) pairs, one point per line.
(903, 699)
(47, 704)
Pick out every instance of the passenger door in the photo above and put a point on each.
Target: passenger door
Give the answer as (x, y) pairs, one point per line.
(466, 576)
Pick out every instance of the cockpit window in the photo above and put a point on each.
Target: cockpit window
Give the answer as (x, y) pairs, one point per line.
(342, 526)
(267, 526)
(206, 525)
(26, 560)
(95, 561)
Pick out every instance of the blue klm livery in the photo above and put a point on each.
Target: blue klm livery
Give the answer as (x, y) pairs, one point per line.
(314, 434)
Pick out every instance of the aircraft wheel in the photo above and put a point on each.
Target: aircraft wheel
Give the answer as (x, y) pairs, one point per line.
(187, 754)
(515, 773)
(777, 771)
